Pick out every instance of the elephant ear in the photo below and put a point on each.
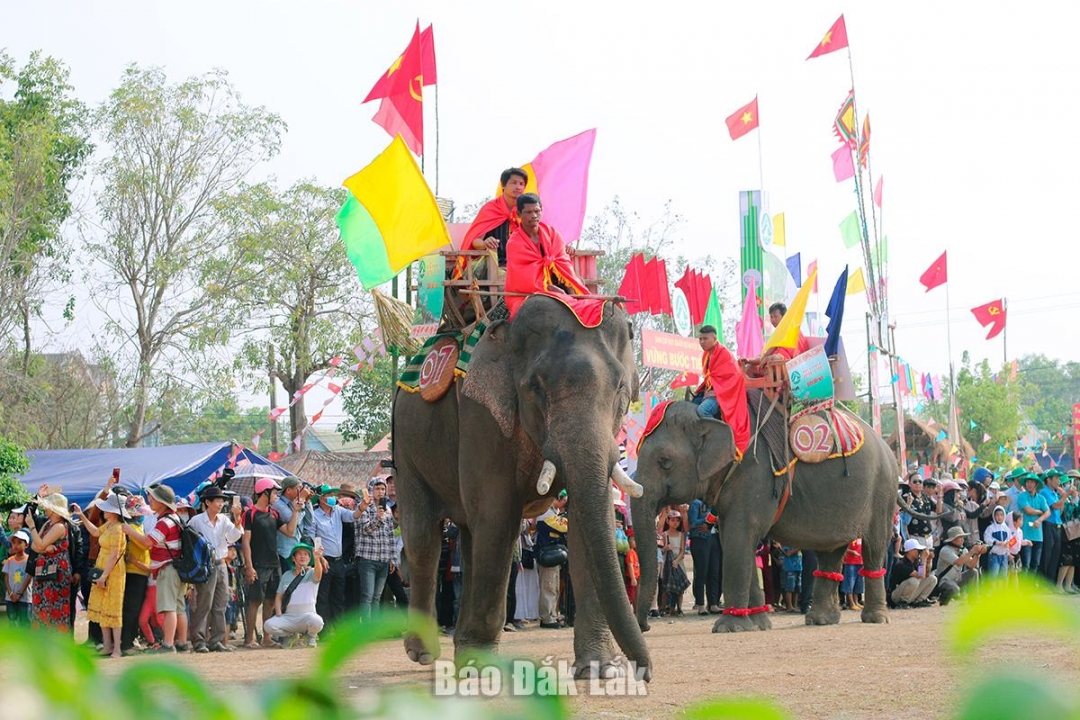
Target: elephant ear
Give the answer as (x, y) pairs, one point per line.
(715, 448)
(490, 380)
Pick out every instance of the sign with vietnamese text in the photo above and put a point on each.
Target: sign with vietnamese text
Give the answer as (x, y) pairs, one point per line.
(811, 377)
(429, 296)
(670, 351)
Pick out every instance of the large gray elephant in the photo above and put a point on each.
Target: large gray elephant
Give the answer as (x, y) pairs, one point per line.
(540, 406)
(687, 457)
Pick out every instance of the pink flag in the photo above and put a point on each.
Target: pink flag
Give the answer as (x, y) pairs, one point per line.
(562, 181)
(335, 361)
(276, 413)
(842, 166)
(986, 437)
(750, 332)
(810, 270)
(296, 441)
(877, 191)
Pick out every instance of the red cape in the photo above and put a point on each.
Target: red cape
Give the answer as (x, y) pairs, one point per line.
(725, 378)
(493, 214)
(529, 271)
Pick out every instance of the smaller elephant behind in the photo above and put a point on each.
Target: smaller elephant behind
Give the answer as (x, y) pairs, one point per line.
(831, 503)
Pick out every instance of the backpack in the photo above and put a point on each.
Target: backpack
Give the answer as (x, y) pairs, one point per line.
(196, 560)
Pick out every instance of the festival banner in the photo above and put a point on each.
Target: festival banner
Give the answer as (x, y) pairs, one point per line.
(669, 351)
(429, 296)
(751, 215)
(1076, 433)
(811, 377)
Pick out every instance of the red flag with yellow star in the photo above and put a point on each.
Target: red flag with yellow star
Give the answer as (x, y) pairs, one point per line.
(835, 39)
(743, 120)
(992, 313)
(402, 108)
(382, 87)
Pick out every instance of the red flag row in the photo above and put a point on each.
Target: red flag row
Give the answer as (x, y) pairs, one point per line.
(696, 287)
(645, 286)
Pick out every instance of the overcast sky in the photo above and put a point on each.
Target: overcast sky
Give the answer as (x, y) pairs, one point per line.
(971, 111)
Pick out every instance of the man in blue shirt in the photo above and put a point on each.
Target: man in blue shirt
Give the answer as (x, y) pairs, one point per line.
(1035, 510)
(327, 519)
(1055, 498)
(293, 493)
(708, 558)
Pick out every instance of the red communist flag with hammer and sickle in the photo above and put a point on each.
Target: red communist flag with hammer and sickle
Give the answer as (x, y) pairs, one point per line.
(402, 93)
(993, 314)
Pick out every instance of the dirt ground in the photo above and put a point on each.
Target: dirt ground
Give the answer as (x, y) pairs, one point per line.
(848, 671)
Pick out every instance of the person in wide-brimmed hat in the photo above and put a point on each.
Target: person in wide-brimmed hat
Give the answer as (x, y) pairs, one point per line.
(52, 568)
(163, 542)
(1035, 510)
(212, 596)
(957, 566)
(106, 603)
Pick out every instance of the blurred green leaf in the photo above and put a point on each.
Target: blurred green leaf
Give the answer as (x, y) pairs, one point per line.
(146, 686)
(734, 708)
(1000, 607)
(352, 634)
(1017, 697)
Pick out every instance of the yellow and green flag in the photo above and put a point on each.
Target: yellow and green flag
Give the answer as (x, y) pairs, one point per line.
(786, 334)
(390, 218)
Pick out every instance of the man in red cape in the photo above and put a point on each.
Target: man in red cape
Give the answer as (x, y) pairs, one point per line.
(537, 262)
(777, 311)
(498, 218)
(723, 387)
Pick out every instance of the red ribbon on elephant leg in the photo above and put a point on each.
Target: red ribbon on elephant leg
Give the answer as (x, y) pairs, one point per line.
(761, 609)
(737, 612)
(872, 573)
(834, 576)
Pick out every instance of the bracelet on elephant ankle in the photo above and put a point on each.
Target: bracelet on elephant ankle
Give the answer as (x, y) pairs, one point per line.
(873, 574)
(743, 612)
(834, 576)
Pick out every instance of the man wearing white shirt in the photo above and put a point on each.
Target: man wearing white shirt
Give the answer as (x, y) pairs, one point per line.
(212, 597)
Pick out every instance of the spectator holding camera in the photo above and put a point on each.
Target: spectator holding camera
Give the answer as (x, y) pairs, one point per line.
(911, 581)
(293, 498)
(919, 528)
(374, 546)
(957, 566)
(53, 592)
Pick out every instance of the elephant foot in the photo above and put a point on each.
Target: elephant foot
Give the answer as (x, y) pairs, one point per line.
(644, 625)
(877, 615)
(761, 621)
(418, 652)
(617, 667)
(823, 616)
(735, 623)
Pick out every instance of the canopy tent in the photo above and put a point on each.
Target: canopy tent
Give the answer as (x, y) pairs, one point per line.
(82, 473)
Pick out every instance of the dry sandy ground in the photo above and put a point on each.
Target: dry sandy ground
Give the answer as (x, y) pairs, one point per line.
(847, 671)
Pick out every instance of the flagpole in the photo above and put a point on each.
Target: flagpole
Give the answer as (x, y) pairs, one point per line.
(761, 171)
(876, 304)
(1005, 332)
(437, 139)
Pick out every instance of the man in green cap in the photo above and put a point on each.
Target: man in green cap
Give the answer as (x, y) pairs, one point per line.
(294, 604)
(1055, 498)
(1013, 489)
(1035, 510)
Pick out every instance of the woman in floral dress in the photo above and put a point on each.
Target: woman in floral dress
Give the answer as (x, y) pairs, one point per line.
(52, 569)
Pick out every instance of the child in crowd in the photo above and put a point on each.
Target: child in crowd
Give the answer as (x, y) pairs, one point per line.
(17, 590)
(296, 614)
(1016, 542)
(998, 537)
(675, 581)
(633, 571)
(791, 582)
(235, 606)
(853, 585)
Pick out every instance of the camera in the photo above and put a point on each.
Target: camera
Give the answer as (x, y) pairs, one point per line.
(382, 503)
(227, 476)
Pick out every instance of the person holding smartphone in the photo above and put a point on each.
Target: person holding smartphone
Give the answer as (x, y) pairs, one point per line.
(374, 546)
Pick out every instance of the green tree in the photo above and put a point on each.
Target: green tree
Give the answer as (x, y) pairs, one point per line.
(44, 141)
(211, 419)
(993, 405)
(13, 463)
(367, 401)
(1048, 389)
(306, 301)
(179, 154)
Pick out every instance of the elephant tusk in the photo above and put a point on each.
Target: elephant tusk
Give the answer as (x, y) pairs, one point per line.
(625, 482)
(547, 476)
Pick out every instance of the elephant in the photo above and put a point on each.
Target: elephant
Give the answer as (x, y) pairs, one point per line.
(543, 398)
(687, 456)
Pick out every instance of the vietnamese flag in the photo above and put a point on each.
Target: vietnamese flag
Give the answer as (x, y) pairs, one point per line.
(937, 273)
(632, 286)
(743, 120)
(992, 313)
(835, 39)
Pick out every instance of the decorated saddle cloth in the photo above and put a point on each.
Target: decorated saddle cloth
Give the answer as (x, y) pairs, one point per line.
(443, 358)
(815, 437)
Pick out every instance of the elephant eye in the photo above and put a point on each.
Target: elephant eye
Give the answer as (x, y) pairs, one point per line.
(665, 463)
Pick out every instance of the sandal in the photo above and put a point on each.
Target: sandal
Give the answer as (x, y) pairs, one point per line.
(252, 646)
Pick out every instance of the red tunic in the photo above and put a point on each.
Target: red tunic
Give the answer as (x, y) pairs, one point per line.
(723, 376)
(493, 214)
(534, 267)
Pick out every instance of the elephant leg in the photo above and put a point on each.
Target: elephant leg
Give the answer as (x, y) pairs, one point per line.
(760, 620)
(421, 530)
(825, 605)
(595, 654)
(739, 575)
(875, 549)
(485, 561)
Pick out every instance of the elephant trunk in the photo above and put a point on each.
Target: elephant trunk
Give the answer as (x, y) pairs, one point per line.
(587, 478)
(643, 510)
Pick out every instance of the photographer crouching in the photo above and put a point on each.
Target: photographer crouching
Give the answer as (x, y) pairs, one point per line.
(957, 566)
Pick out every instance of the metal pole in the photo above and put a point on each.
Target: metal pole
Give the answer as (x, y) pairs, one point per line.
(394, 350)
(871, 373)
(761, 171)
(901, 442)
(1005, 333)
(273, 399)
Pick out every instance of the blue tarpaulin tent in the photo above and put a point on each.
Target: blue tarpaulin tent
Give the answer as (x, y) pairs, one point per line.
(82, 473)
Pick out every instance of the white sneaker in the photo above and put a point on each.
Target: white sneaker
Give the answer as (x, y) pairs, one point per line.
(697, 608)
(313, 641)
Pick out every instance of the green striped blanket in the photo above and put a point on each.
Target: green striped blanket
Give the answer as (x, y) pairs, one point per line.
(410, 377)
